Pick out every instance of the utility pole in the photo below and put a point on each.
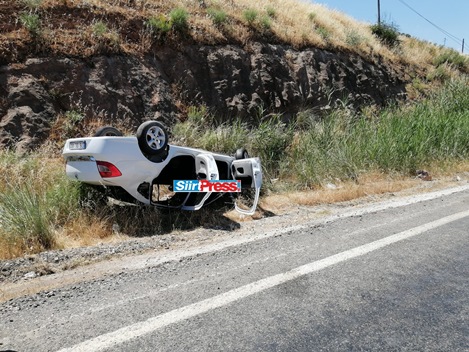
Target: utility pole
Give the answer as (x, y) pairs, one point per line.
(379, 12)
(462, 51)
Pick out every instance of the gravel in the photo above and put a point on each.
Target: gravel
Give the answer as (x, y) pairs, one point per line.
(50, 262)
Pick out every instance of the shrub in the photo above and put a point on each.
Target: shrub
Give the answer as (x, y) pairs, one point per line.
(387, 33)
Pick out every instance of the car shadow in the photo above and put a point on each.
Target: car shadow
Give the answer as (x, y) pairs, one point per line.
(142, 221)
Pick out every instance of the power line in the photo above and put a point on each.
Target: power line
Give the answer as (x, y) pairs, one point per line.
(454, 38)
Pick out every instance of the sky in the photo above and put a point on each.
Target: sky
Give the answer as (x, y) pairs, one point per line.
(450, 16)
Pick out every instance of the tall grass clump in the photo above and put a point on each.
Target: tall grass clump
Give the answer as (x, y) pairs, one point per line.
(219, 17)
(159, 25)
(270, 141)
(250, 16)
(25, 219)
(35, 199)
(204, 130)
(179, 19)
(32, 23)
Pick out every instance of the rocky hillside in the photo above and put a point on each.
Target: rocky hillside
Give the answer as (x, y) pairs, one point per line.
(82, 61)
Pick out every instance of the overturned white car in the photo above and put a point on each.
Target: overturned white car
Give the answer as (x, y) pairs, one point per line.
(148, 169)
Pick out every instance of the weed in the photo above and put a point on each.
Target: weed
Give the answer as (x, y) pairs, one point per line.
(35, 199)
(199, 115)
(399, 140)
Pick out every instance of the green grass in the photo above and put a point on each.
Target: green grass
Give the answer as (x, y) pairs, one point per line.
(159, 25)
(179, 19)
(250, 16)
(32, 23)
(387, 32)
(400, 139)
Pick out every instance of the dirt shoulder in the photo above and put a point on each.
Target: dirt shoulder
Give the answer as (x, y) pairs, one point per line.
(279, 213)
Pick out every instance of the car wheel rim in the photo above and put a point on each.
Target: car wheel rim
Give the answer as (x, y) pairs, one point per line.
(155, 138)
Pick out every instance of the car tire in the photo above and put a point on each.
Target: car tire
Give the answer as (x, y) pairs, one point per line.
(241, 153)
(152, 137)
(108, 131)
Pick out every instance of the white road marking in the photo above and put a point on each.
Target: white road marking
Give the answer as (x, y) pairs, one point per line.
(136, 330)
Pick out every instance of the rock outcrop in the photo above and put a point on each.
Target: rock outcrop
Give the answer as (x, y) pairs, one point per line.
(229, 80)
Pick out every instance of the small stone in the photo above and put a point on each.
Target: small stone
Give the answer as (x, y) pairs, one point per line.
(30, 275)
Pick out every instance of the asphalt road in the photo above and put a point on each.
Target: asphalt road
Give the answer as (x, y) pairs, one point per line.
(389, 279)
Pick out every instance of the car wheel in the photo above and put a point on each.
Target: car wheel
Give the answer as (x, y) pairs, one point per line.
(107, 131)
(152, 137)
(241, 153)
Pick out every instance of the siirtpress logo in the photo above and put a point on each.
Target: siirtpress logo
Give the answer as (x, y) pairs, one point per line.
(206, 186)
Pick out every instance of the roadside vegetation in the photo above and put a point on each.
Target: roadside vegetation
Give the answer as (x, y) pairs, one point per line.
(39, 27)
(40, 209)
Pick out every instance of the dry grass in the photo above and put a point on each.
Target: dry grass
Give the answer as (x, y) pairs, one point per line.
(85, 230)
(123, 28)
(369, 186)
